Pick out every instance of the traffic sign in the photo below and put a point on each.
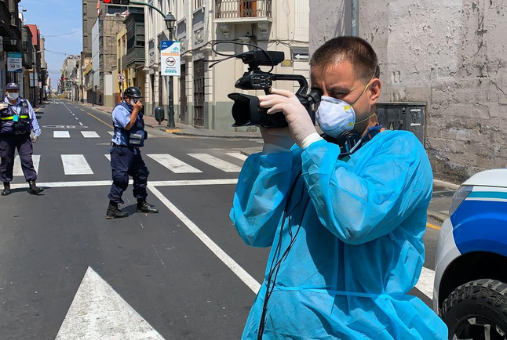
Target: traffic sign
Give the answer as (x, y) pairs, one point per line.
(170, 55)
(14, 62)
(300, 56)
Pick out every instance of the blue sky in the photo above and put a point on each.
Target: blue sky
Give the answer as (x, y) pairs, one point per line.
(56, 18)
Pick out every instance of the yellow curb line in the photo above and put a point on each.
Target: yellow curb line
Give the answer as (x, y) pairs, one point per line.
(172, 130)
(429, 225)
(100, 120)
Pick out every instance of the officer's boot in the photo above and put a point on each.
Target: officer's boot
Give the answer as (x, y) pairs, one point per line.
(7, 189)
(114, 212)
(34, 189)
(145, 207)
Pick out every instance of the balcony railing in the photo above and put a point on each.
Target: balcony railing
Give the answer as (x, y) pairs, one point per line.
(134, 56)
(233, 9)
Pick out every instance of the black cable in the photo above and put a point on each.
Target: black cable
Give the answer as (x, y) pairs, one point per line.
(229, 56)
(275, 255)
(275, 267)
(59, 35)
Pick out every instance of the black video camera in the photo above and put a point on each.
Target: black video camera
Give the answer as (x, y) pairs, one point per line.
(246, 110)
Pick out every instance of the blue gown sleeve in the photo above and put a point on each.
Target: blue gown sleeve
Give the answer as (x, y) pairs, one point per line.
(259, 200)
(371, 199)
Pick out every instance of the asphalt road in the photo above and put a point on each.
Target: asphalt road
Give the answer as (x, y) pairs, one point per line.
(66, 272)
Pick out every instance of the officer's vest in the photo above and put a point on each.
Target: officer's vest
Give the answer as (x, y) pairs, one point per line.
(136, 135)
(12, 123)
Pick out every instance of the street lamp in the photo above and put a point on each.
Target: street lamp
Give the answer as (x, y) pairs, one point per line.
(170, 20)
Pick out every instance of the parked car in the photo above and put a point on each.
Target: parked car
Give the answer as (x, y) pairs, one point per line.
(470, 290)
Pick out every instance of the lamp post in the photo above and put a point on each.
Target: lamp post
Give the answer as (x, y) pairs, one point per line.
(169, 22)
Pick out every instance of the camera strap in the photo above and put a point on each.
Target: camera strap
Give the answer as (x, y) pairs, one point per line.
(351, 141)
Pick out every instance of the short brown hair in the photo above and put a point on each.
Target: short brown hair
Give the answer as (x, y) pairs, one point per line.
(354, 49)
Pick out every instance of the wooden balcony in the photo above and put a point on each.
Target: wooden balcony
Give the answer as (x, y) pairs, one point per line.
(134, 58)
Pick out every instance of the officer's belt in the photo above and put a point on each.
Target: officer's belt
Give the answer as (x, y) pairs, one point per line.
(121, 146)
(12, 117)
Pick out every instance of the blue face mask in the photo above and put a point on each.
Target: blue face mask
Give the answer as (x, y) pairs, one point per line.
(336, 116)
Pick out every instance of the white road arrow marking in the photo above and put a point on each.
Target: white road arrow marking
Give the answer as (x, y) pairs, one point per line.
(425, 283)
(98, 312)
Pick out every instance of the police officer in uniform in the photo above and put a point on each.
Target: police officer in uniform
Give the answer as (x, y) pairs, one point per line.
(17, 120)
(128, 138)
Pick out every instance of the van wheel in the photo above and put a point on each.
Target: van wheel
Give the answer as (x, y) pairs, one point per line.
(477, 310)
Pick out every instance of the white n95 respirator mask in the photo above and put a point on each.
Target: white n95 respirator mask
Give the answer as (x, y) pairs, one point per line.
(335, 116)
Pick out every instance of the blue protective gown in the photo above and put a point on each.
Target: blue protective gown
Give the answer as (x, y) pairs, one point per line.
(359, 245)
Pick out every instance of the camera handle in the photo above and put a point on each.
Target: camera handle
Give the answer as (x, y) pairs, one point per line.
(306, 99)
(303, 84)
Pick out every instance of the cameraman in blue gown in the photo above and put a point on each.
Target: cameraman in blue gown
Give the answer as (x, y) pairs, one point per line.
(345, 226)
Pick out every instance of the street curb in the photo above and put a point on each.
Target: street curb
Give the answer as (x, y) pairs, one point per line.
(215, 136)
(437, 216)
(447, 185)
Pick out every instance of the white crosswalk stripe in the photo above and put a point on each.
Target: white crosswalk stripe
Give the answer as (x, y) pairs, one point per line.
(76, 165)
(61, 134)
(237, 155)
(111, 133)
(174, 164)
(216, 162)
(90, 134)
(18, 171)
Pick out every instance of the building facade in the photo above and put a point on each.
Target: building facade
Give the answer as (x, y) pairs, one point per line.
(34, 89)
(200, 93)
(28, 60)
(130, 52)
(70, 76)
(10, 41)
(90, 10)
(453, 59)
(104, 58)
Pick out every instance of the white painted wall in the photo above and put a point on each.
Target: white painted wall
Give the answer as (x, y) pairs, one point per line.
(451, 55)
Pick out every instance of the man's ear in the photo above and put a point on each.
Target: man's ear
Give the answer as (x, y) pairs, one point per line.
(375, 90)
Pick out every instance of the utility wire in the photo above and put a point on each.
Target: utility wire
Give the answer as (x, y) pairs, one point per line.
(59, 35)
(46, 50)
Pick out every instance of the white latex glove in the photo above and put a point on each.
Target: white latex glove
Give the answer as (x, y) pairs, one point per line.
(35, 139)
(300, 123)
(276, 140)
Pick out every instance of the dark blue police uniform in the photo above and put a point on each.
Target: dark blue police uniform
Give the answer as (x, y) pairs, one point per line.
(16, 122)
(126, 160)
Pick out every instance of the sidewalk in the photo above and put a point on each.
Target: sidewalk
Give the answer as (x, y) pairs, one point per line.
(442, 191)
(186, 130)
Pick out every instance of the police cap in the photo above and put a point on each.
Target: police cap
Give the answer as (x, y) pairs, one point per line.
(12, 86)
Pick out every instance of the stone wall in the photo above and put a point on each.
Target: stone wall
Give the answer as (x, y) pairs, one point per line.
(451, 55)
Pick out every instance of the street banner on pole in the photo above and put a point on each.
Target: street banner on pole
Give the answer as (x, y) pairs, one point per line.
(14, 62)
(33, 79)
(170, 58)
